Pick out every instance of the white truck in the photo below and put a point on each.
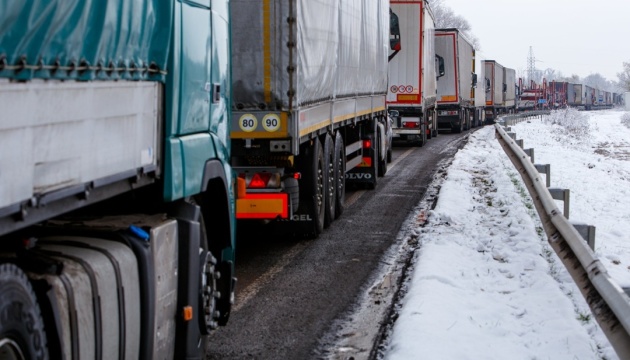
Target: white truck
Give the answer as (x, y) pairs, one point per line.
(309, 85)
(411, 97)
(456, 89)
(509, 90)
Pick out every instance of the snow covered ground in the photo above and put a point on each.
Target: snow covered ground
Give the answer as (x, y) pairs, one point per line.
(486, 284)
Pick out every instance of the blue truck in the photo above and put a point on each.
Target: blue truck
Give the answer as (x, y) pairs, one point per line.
(117, 197)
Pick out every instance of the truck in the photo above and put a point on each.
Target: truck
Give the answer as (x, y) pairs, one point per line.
(413, 72)
(456, 88)
(117, 195)
(309, 117)
(510, 89)
(626, 100)
(574, 94)
(495, 82)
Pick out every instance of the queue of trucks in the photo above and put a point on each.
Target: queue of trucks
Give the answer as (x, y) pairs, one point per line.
(138, 136)
(561, 94)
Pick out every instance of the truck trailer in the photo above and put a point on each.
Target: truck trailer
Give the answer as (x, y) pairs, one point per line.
(411, 98)
(309, 116)
(456, 88)
(116, 190)
(510, 88)
(495, 82)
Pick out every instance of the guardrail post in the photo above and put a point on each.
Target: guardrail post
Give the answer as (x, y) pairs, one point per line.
(507, 128)
(587, 232)
(561, 194)
(544, 169)
(519, 142)
(512, 135)
(530, 153)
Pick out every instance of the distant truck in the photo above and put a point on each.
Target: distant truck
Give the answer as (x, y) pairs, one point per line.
(309, 112)
(509, 90)
(495, 83)
(626, 100)
(116, 189)
(411, 98)
(456, 89)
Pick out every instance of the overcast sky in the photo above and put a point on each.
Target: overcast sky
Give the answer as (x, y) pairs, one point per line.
(571, 36)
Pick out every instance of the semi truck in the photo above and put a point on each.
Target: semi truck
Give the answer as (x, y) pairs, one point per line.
(117, 197)
(494, 97)
(510, 89)
(413, 72)
(309, 115)
(456, 88)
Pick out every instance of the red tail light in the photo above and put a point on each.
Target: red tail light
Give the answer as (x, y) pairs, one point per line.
(367, 144)
(260, 180)
(410, 124)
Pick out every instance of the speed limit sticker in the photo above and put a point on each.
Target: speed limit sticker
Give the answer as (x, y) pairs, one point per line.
(248, 122)
(271, 122)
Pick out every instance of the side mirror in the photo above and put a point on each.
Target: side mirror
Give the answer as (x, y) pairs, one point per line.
(487, 85)
(504, 87)
(394, 31)
(474, 80)
(439, 65)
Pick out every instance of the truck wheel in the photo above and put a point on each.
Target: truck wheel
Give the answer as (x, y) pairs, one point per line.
(329, 173)
(382, 163)
(22, 333)
(312, 166)
(340, 175)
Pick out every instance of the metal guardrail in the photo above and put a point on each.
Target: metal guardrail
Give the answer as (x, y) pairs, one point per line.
(608, 302)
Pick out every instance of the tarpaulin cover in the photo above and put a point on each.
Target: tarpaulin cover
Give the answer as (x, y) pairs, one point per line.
(82, 39)
(287, 54)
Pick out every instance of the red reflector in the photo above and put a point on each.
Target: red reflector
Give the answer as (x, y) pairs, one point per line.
(367, 144)
(260, 180)
(297, 176)
(410, 124)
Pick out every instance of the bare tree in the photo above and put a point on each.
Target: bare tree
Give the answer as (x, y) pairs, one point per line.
(445, 17)
(624, 77)
(599, 82)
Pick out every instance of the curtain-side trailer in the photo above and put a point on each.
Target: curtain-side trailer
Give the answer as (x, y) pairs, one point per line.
(309, 116)
(116, 198)
(411, 97)
(456, 88)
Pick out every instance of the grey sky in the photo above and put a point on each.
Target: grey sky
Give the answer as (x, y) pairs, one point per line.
(571, 36)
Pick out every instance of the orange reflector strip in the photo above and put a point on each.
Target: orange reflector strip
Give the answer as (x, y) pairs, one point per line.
(187, 313)
(262, 206)
(407, 98)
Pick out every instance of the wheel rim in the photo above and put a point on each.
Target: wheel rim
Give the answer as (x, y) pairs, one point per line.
(208, 293)
(9, 350)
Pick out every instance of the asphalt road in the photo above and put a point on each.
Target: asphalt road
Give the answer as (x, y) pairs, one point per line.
(293, 294)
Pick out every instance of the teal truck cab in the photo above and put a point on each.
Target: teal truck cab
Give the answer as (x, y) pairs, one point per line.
(117, 208)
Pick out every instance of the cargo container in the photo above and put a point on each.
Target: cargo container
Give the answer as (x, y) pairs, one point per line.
(626, 100)
(309, 113)
(456, 87)
(411, 98)
(574, 94)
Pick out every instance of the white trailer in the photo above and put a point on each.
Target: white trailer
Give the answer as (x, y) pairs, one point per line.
(411, 97)
(626, 100)
(509, 90)
(494, 81)
(455, 89)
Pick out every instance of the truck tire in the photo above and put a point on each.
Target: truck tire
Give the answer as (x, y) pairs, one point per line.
(382, 163)
(311, 164)
(21, 324)
(340, 175)
(329, 173)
